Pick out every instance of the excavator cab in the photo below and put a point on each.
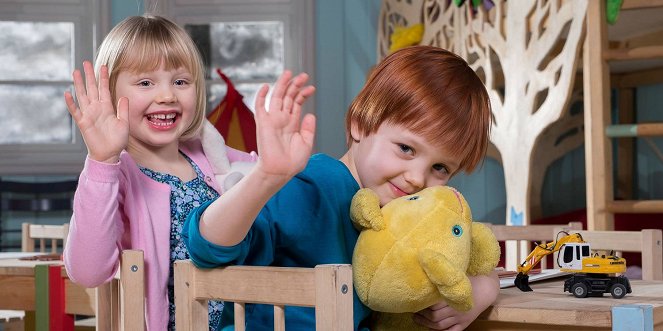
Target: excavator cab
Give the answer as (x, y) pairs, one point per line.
(571, 255)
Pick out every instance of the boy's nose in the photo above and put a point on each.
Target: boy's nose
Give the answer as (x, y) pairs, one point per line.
(415, 179)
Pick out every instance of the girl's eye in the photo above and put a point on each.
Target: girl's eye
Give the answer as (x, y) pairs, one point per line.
(405, 149)
(415, 197)
(181, 82)
(144, 83)
(457, 231)
(441, 168)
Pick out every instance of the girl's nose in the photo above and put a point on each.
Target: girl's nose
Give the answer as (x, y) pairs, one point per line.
(166, 96)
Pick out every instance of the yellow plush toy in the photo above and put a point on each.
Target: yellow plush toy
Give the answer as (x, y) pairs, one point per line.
(416, 251)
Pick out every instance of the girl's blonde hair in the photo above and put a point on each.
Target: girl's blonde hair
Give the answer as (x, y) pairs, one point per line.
(143, 43)
(430, 91)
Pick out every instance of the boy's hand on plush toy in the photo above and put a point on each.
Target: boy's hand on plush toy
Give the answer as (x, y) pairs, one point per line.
(284, 145)
(105, 132)
(442, 317)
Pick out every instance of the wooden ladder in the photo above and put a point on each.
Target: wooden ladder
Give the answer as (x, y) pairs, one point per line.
(598, 53)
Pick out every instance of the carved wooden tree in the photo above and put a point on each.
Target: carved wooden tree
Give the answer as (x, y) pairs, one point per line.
(526, 52)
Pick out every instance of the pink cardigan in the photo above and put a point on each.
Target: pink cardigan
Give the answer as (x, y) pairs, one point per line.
(117, 207)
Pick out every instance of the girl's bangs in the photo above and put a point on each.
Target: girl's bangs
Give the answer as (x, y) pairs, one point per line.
(149, 55)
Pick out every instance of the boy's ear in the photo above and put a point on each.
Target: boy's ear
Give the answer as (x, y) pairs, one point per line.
(354, 132)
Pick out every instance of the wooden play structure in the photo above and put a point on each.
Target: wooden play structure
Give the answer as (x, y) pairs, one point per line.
(530, 54)
(532, 57)
(622, 56)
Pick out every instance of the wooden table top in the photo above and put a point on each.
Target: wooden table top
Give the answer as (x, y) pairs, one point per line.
(17, 267)
(549, 304)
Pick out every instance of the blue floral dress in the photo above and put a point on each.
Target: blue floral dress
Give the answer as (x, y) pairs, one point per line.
(183, 198)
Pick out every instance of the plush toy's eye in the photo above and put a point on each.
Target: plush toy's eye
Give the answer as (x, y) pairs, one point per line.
(416, 197)
(457, 230)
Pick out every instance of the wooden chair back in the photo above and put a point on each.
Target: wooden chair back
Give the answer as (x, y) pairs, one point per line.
(117, 305)
(518, 240)
(328, 288)
(32, 233)
(647, 242)
(120, 304)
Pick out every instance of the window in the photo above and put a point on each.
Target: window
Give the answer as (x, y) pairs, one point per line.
(251, 41)
(41, 47)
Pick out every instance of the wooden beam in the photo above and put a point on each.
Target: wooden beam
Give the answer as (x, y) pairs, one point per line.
(635, 206)
(638, 78)
(634, 130)
(596, 86)
(638, 4)
(634, 53)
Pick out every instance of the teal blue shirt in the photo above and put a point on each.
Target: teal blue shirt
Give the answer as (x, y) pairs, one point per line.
(305, 224)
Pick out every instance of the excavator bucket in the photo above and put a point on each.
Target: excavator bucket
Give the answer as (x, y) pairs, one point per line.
(522, 282)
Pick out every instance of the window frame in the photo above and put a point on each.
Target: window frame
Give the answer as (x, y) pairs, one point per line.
(91, 19)
(297, 17)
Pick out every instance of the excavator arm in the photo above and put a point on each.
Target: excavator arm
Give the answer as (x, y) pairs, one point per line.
(538, 253)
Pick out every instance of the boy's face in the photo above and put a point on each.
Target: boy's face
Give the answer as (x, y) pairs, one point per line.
(395, 161)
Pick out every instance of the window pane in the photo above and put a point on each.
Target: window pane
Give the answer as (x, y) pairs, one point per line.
(34, 114)
(243, 50)
(217, 92)
(36, 50)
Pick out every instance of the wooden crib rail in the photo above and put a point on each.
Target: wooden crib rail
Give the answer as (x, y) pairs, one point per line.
(328, 288)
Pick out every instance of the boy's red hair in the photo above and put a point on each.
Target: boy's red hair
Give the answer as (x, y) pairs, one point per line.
(432, 92)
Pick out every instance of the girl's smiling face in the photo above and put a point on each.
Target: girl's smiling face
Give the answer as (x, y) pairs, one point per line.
(162, 104)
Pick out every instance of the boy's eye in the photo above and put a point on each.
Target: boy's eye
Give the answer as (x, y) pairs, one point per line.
(441, 168)
(405, 148)
(144, 83)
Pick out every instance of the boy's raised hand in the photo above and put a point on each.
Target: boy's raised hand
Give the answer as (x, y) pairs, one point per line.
(284, 145)
(105, 132)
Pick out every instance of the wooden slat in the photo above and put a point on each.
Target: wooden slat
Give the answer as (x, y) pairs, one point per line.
(191, 314)
(638, 78)
(333, 291)
(636, 53)
(638, 4)
(625, 155)
(296, 285)
(326, 287)
(635, 206)
(535, 232)
(80, 301)
(596, 87)
(279, 318)
(648, 242)
(634, 130)
(240, 316)
(13, 289)
(132, 290)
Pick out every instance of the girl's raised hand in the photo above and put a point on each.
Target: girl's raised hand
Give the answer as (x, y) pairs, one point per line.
(105, 132)
(284, 145)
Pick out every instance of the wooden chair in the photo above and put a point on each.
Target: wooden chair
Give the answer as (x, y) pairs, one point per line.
(328, 288)
(523, 236)
(118, 305)
(31, 233)
(647, 242)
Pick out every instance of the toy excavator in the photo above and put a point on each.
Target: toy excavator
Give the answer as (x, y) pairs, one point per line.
(590, 275)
